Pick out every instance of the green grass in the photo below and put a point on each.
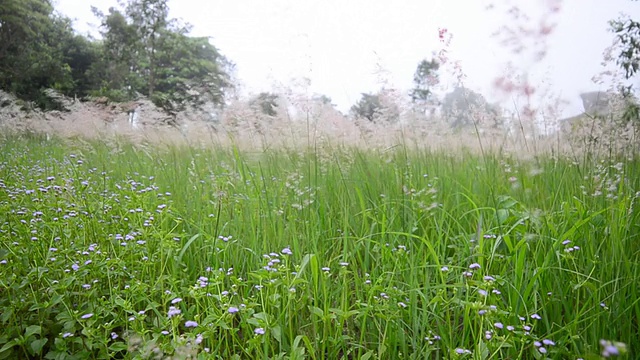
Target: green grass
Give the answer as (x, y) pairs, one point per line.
(340, 253)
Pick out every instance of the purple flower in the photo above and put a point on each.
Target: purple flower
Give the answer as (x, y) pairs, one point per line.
(489, 278)
(498, 325)
(536, 316)
(233, 310)
(259, 331)
(173, 311)
(474, 266)
(444, 269)
(548, 342)
(66, 335)
(287, 251)
(176, 300)
(190, 324)
(86, 316)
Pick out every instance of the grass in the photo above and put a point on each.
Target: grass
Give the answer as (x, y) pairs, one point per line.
(116, 251)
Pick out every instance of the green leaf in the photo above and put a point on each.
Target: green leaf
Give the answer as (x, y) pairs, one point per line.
(503, 215)
(8, 346)
(37, 345)
(32, 329)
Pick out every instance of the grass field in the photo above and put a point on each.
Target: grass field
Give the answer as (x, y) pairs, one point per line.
(172, 253)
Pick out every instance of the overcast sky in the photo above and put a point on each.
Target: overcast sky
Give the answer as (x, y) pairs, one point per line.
(341, 45)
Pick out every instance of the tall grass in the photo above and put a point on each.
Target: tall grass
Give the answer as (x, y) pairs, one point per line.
(119, 251)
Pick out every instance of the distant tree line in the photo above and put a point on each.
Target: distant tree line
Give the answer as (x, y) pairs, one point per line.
(141, 52)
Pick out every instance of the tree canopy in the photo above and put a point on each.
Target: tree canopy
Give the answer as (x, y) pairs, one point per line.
(141, 51)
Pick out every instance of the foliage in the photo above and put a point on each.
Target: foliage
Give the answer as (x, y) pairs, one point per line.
(463, 107)
(369, 107)
(32, 57)
(266, 103)
(139, 253)
(141, 52)
(627, 32)
(424, 79)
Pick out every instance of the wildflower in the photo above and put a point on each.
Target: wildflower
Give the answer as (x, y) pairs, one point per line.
(496, 291)
(542, 350)
(190, 324)
(233, 310)
(173, 311)
(482, 312)
(259, 331)
(444, 269)
(66, 335)
(199, 339)
(474, 266)
(343, 264)
(460, 351)
(75, 267)
(536, 317)
(114, 336)
(482, 292)
(402, 305)
(488, 335)
(164, 332)
(499, 325)
(325, 269)
(548, 342)
(287, 251)
(510, 328)
(176, 300)
(86, 316)
(467, 274)
(489, 278)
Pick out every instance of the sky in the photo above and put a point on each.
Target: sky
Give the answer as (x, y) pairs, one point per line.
(349, 47)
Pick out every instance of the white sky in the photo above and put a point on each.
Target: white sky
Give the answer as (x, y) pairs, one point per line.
(339, 44)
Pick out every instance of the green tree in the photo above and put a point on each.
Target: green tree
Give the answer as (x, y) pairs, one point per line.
(627, 32)
(424, 79)
(369, 107)
(32, 44)
(266, 103)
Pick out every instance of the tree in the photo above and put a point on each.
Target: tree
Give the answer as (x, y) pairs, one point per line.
(266, 103)
(368, 107)
(424, 79)
(463, 107)
(32, 42)
(627, 32)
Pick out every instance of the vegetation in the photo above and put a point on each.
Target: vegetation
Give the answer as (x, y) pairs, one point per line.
(114, 251)
(141, 52)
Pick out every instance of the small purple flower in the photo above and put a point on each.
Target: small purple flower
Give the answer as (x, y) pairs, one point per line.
(86, 316)
(444, 269)
(66, 335)
(287, 251)
(75, 267)
(233, 310)
(542, 350)
(474, 266)
(467, 274)
(510, 327)
(482, 312)
(566, 242)
(536, 317)
(114, 336)
(190, 324)
(173, 311)
(499, 325)
(548, 342)
(176, 300)
(326, 269)
(343, 264)
(259, 331)
(489, 278)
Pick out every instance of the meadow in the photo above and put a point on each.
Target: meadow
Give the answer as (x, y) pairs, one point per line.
(114, 250)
